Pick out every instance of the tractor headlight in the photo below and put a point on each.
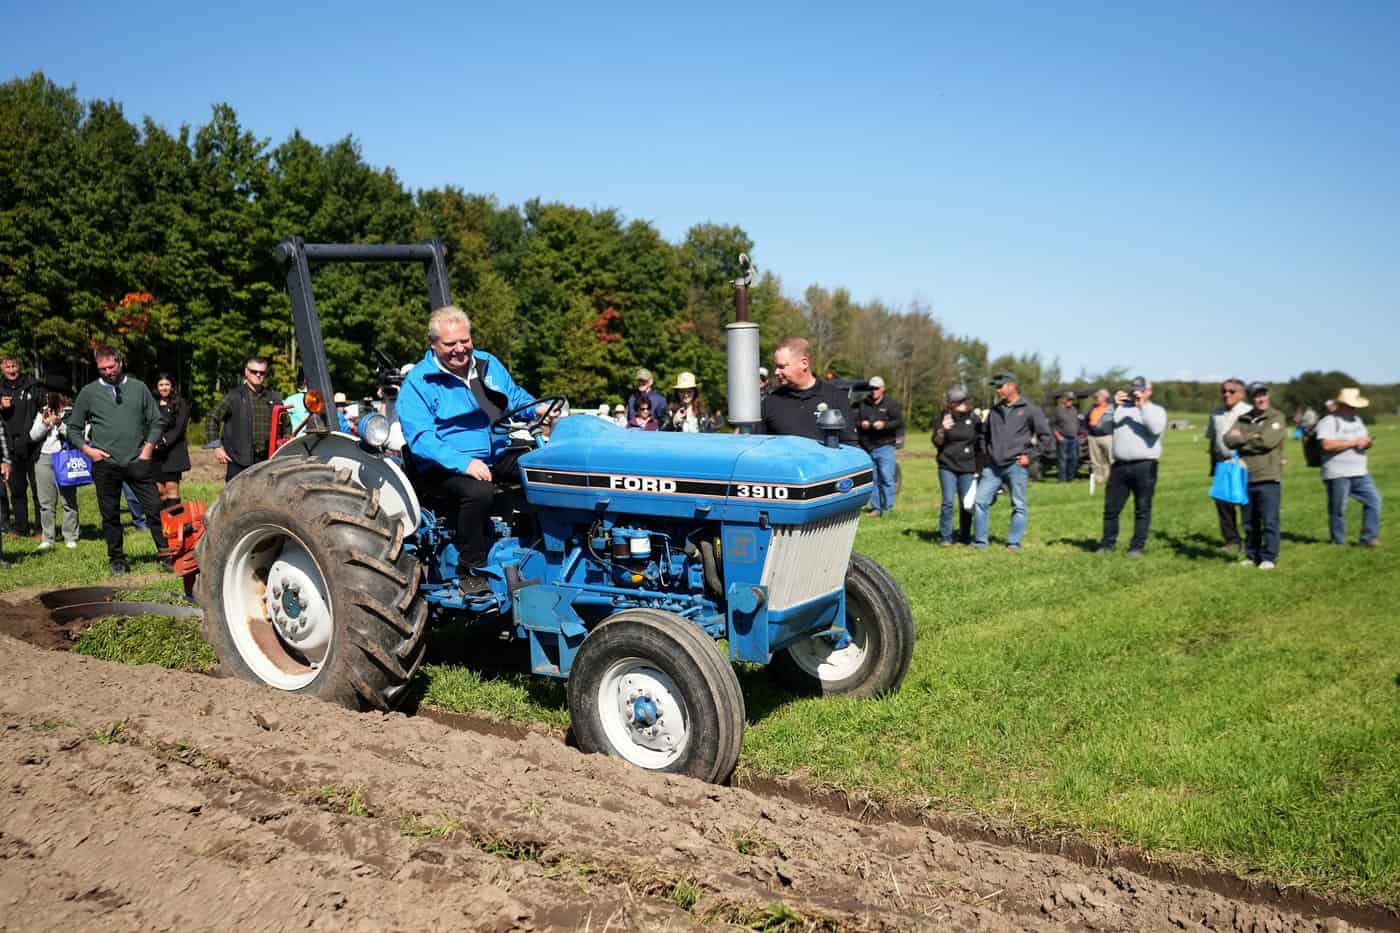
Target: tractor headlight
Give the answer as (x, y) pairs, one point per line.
(374, 431)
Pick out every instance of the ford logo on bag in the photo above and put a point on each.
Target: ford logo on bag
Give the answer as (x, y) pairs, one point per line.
(71, 467)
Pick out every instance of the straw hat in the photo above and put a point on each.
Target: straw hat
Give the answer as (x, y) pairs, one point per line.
(685, 381)
(1351, 397)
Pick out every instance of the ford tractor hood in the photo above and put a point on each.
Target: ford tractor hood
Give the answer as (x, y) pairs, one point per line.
(594, 465)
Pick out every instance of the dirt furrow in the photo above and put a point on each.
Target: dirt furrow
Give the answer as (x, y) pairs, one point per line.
(138, 798)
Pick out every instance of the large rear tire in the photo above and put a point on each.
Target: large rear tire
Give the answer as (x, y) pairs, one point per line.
(652, 688)
(307, 587)
(881, 628)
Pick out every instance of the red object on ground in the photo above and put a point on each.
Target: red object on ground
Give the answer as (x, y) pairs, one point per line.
(183, 525)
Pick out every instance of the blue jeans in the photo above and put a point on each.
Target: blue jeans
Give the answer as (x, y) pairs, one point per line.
(954, 487)
(1363, 490)
(1261, 521)
(883, 499)
(988, 485)
(133, 504)
(1068, 464)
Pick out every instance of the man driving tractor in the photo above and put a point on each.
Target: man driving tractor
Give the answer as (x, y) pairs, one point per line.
(446, 406)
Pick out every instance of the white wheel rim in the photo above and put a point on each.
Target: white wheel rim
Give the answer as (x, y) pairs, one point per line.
(630, 686)
(277, 608)
(817, 658)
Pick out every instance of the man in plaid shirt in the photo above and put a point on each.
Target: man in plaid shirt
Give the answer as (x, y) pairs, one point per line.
(240, 426)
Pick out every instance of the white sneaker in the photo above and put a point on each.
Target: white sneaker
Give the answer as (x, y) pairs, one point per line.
(1093, 481)
(1266, 565)
(71, 545)
(1246, 562)
(44, 545)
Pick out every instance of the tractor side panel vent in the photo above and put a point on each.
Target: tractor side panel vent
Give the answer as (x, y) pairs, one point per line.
(807, 561)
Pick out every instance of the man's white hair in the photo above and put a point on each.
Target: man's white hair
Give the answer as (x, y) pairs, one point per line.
(445, 315)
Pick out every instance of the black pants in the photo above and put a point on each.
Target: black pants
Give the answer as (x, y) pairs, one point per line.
(107, 479)
(1138, 477)
(1228, 514)
(20, 487)
(471, 500)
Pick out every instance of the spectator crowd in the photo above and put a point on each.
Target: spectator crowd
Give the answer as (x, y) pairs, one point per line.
(129, 442)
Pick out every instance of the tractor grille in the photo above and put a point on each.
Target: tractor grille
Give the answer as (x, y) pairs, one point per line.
(807, 561)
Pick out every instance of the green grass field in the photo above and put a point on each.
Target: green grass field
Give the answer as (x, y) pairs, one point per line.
(1180, 703)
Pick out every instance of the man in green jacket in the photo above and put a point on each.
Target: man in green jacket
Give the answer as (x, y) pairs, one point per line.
(121, 421)
(1258, 435)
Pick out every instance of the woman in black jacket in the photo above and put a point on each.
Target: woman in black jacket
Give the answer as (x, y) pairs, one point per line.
(956, 436)
(172, 455)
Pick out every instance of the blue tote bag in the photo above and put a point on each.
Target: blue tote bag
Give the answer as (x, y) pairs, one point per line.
(71, 467)
(1231, 482)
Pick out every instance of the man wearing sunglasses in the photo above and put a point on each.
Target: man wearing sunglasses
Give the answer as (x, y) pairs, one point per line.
(122, 424)
(240, 426)
(1222, 419)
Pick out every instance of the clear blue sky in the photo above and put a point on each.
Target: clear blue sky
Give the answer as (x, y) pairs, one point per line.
(1191, 190)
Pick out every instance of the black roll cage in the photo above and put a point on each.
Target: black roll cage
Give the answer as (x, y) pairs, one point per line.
(295, 256)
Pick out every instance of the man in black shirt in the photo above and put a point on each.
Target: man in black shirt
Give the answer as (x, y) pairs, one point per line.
(792, 408)
(879, 422)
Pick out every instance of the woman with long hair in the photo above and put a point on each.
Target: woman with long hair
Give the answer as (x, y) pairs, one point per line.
(688, 409)
(50, 433)
(172, 454)
(955, 437)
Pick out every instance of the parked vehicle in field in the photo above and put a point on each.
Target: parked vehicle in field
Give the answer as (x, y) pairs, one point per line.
(619, 557)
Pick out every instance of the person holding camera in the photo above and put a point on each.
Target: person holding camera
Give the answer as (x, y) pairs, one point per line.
(688, 412)
(20, 398)
(4, 478)
(1138, 423)
(955, 437)
(121, 419)
(50, 433)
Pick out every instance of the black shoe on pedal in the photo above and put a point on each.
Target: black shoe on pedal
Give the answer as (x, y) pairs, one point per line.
(471, 585)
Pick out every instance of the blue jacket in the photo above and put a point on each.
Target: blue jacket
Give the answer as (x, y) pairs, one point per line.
(442, 423)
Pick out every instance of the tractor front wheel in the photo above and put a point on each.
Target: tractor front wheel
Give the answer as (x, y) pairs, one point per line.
(876, 654)
(307, 587)
(652, 688)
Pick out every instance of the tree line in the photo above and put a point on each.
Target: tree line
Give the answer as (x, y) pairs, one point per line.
(160, 243)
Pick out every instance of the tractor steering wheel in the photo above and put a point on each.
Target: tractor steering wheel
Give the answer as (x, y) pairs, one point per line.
(552, 405)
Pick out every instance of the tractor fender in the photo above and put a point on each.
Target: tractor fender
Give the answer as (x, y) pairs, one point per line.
(367, 468)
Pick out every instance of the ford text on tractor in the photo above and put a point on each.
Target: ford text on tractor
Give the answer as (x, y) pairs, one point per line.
(620, 557)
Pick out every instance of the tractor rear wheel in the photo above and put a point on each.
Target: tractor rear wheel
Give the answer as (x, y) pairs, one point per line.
(881, 630)
(307, 587)
(652, 688)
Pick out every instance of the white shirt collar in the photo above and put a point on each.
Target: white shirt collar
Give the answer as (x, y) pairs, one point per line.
(471, 371)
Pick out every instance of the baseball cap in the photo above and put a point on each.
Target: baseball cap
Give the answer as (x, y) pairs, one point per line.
(763, 372)
(1001, 379)
(876, 382)
(1065, 393)
(1140, 383)
(1256, 388)
(957, 393)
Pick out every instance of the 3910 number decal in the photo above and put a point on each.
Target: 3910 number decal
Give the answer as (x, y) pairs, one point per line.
(759, 491)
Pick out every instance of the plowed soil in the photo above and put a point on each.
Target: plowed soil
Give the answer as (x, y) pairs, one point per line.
(135, 798)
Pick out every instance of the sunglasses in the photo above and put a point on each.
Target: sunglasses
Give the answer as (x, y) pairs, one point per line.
(256, 372)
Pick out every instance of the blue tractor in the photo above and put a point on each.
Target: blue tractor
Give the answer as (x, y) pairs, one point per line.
(621, 558)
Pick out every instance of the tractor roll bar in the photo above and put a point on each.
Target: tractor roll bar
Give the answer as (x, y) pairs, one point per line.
(295, 256)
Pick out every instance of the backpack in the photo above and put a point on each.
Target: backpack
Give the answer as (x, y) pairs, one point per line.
(1312, 446)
